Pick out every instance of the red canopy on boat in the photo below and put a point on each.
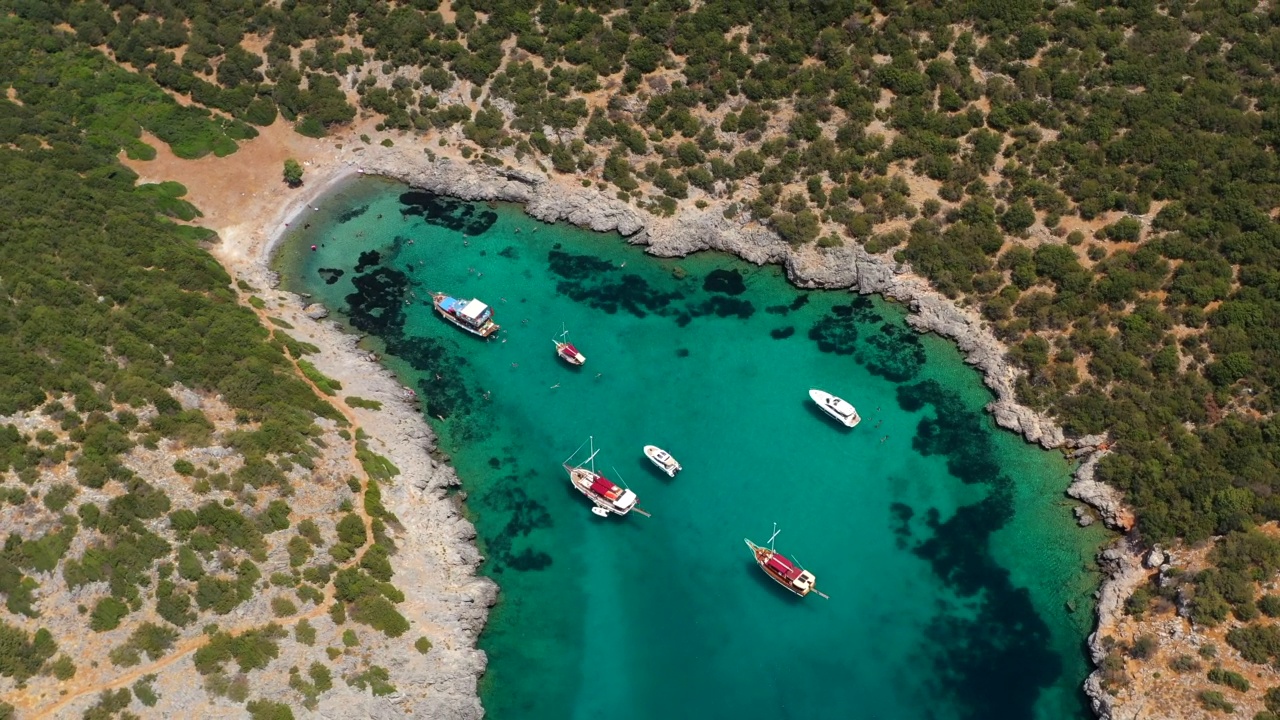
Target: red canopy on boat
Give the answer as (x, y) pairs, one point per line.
(783, 566)
(605, 486)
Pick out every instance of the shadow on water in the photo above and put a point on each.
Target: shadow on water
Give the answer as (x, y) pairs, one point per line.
(816, 412)
(995, 663)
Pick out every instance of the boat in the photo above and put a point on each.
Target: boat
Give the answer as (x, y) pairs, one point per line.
(605, 495)
(567, 351)
(662, 459)
(839, 409)
(782, 570)
(471, 315)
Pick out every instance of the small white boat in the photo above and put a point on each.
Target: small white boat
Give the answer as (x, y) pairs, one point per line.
(835, 407)
(662, 459)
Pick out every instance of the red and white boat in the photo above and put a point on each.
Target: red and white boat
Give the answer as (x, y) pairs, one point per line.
(608, 498)
(784, 571)
(567, 351)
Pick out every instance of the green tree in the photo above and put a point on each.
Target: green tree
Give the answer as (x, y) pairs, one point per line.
(292, 173)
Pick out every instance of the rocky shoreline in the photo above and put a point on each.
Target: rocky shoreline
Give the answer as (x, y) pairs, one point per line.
(849, 267)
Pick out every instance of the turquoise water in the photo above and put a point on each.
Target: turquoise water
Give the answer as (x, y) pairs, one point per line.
(945, 544)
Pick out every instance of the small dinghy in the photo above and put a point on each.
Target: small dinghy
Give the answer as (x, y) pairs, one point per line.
(662, 459)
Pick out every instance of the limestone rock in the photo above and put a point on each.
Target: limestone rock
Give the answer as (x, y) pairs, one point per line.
(1155, 557)
(1083, 517)
(1122, 564)
(316, 311)
(1108, 501)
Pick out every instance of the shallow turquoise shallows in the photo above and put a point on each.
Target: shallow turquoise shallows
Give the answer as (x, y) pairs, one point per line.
(959, 587)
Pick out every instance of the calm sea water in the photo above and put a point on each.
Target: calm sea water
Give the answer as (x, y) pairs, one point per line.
(945, 544)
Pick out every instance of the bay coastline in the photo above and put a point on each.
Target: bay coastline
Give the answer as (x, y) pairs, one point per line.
(408, 440)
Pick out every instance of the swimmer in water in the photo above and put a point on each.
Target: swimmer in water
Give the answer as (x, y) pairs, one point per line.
(515, 365)
(553, 387)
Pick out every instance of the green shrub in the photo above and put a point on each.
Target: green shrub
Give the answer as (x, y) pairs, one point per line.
(145, 693)
(58, 496)
(1233, 680)
(1269, 605)
(1144, 647)
(292, 173)
(356, 401)
(268, 710)
(375, 679)
(283, 607)
(326, 385)
(423, 645)
(304, 633)
(1213, 700)
(63, 668)
(106, 614)
(24, 655)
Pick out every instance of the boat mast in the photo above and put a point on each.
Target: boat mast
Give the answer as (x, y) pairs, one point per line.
(774, 535)
(591, 439)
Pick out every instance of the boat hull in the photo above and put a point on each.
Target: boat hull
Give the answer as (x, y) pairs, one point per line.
(484, 331)
(570, 354)
(581, 479)
(662, 460)
(828, 404)
(763, 555)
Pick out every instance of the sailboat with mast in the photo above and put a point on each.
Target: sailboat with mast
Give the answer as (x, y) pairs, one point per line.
(607, 497)
(782, 570)
(567, 351)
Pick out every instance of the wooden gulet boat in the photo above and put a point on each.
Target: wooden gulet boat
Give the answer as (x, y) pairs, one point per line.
(607, 498)
(782, 570)
(471, 315)
(567, 352)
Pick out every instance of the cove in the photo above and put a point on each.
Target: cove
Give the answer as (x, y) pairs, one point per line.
(947, 548)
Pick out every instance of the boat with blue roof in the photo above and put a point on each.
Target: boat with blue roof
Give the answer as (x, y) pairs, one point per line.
(471, 315)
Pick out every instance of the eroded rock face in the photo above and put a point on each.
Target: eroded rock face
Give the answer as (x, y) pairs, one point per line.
(1122, 563)
(1108, 501)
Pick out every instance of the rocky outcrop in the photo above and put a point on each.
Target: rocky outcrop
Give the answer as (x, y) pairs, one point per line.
(1122, 564)
(1108, 501)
